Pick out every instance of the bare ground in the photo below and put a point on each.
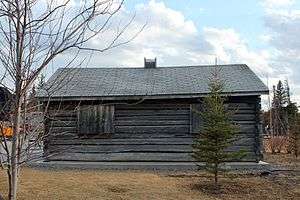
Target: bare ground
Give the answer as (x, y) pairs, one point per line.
(136, 185)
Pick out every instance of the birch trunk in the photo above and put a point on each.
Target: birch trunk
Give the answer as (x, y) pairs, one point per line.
(15, 147)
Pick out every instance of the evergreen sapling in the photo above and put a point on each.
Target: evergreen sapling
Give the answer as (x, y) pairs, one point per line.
(217, 133)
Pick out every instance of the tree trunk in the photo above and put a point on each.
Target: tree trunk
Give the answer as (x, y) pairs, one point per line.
(14, 149)
(216, 176)
(9, 182)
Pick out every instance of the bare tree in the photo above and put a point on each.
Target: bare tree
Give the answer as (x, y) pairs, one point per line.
(32, 35)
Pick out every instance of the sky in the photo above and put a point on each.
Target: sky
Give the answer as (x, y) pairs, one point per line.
(264, 34)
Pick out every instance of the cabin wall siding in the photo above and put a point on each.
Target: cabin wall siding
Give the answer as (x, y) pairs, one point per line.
(157, 130)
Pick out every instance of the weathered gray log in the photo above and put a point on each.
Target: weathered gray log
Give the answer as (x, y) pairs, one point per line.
(59, 123)
(162, 112)
(242, 140)
(150, 118)
(129, 157)
(122, 157)
(241, 106)
(150, 123)
(153, 129)
(157, 106)
(133, 148)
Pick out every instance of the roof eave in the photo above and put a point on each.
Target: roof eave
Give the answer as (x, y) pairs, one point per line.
(137, 97)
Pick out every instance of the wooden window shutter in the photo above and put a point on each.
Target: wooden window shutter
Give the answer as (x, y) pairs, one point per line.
(108, 119)
(96, 119)
(195, 118)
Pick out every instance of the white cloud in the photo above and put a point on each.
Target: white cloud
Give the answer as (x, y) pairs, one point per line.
(230, 48)
(277, 3)
(265, 38)
(168, 35)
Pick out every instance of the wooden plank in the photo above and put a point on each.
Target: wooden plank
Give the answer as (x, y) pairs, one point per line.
(244, 141)
(100, 120)
(150, 118)
(98, 157)
(63, 128)
(162, 112)
(135, 136)
(58, 123)
(153, 129)
(250, 122)
(121, 148)
(161, 135)
(129, 157)
(246, 129)
(139, 141)
(147, 135)
(247, 111)
(62, 114)
(109, 117)
(241, 106)
(242, 130)
(151, 123)
(83, 119)
(123, 141)
(62, 118)
(62, 135)
(195, 118)
(243, 117)
(153, 106)
(133, 148)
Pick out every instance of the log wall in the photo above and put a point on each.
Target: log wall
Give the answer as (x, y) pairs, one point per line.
(154, 131)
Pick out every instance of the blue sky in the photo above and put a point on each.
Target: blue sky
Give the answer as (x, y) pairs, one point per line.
(243, 16)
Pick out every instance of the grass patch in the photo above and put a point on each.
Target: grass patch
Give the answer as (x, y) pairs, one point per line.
(136, 185)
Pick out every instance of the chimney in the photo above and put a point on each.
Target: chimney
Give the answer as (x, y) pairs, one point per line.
(149, 63)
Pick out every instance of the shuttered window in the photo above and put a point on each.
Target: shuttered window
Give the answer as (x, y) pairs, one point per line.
(96, 119)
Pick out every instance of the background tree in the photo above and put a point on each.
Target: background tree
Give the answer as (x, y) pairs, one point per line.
(279, 121)
(279, 114)
(35, 33)
(282, 110)
(218, 131)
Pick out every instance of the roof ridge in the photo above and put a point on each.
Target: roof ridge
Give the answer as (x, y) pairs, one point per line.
(159, 67)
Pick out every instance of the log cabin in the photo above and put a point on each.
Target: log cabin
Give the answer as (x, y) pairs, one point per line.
(146, 114)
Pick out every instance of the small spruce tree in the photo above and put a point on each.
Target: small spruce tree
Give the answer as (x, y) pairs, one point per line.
(217, 132)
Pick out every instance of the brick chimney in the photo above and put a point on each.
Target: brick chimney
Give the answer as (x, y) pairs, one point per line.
(149, 63)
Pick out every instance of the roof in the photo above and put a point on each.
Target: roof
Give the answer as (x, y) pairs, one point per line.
(160, 82)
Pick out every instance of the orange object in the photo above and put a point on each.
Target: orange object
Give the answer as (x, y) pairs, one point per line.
(7, 131)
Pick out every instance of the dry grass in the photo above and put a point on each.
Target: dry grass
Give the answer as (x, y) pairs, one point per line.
(288, 161)
(136, 185)
(276, 144)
